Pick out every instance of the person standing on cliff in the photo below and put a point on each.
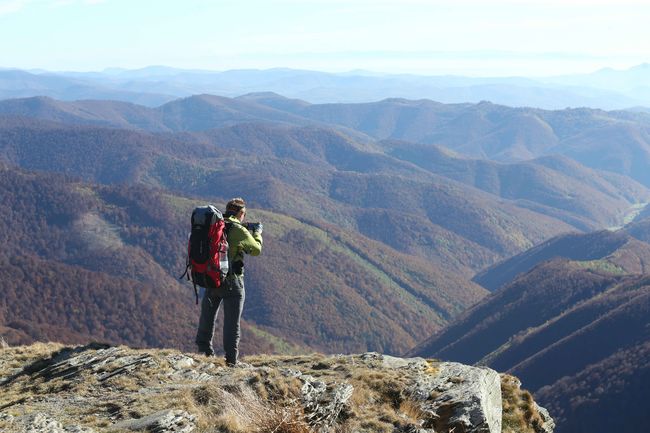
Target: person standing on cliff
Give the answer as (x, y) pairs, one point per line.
(243, 238)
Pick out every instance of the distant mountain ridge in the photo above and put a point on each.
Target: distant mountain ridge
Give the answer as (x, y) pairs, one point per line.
(607, 89)
(482, 131)
(19, 84)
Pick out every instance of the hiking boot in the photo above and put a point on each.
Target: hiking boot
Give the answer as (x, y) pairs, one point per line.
(206, 352)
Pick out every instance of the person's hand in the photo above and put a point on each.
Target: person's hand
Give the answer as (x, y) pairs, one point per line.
(258, 228)
(255, 227)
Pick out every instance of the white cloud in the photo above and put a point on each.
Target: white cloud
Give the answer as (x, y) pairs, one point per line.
(64, 3)
(11, 6)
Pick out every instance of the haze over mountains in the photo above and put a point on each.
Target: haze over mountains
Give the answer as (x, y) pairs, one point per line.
(607, 88)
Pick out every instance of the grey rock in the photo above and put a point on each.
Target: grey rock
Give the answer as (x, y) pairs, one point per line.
(186, 369)
(463, 398)
(104, 363)
(165, 421)
(191, 376)
(41, 423)
(78, 429)
(323, 404)
(180, 362)
(549, 424)
(378, 360)
(412, 429)
(410, 363)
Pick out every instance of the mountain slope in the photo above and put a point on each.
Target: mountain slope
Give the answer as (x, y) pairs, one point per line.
(502, 133)
(617, 247)
(318, 287)
(583, 403)
(483, 130)
(640, 227)
(562, 326)
(309, 172)
(554, 185)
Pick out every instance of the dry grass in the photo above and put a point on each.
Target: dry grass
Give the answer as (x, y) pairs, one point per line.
(239, 409)
(12, 357)
(265, 399)
(274, 386)
(284, 420)
(412, 410)
(378, 404)
(432, 367)
(520, 413)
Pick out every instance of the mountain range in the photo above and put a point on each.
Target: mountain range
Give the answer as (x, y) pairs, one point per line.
(616, 142)
(106, 259)
(387, 225)
(273, 161)
(154, 85)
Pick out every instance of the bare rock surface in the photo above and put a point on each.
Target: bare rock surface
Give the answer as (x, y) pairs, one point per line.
(100, 388)
(459, 398)
(467, 399)
(40, 423)
(172, 421)
(549, 425)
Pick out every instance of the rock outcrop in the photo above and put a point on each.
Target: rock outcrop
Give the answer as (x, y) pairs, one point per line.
(96, 388)
(477, 389)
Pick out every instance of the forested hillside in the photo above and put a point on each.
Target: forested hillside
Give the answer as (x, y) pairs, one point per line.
(564, 326)
(106, 260)
(309, 173)
(385, 226)
(617, 247)
(483, 130)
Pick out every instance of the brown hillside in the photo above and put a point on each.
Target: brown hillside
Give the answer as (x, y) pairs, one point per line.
(624, 250)
(323, 287)
(340, 181)
(562, 327)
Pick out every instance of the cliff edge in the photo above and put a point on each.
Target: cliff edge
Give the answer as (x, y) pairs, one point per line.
(99, 388)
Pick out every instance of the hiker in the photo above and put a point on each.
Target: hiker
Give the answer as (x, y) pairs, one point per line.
(242, 239)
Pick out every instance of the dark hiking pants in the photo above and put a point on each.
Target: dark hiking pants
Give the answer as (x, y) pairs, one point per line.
(232, 295)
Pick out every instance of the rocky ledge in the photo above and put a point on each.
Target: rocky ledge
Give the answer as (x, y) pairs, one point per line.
(97, 388)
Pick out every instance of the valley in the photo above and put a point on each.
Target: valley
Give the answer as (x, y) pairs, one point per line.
(467, 232)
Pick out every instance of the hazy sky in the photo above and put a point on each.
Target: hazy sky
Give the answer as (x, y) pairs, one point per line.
(501, 37)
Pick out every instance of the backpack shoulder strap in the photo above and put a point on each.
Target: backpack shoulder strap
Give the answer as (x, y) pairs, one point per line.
(230, 224)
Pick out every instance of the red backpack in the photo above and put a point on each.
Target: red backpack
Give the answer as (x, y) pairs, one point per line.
(207, 249)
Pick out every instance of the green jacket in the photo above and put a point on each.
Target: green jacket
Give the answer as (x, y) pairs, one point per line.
(241, 241)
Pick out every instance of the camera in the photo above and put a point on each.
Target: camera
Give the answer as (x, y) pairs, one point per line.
(254, 227)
